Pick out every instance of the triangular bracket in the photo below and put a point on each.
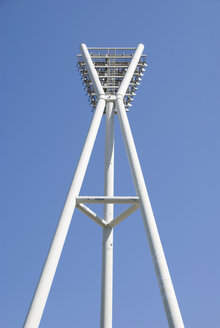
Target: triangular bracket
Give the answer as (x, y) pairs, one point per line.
(107, 200)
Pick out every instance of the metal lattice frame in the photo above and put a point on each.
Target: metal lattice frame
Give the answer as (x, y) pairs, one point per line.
(108, 100)
(111, 65)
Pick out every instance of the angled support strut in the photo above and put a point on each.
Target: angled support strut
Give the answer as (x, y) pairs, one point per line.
(166, 287)
(43, 288)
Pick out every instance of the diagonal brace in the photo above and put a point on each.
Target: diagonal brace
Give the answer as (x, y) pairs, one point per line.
(123, 216)
(92, 215)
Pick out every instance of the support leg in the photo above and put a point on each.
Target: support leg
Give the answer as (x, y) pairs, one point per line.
(107, 241)
(161, 268)
(43, 288)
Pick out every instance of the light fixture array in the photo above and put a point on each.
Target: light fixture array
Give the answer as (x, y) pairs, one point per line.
(111, 65)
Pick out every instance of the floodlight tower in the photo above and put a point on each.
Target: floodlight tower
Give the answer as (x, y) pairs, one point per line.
(111, 77)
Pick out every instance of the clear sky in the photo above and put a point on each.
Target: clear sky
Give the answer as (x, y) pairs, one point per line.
(175, 121)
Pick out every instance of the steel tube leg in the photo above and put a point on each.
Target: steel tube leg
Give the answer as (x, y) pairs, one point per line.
(91, 70)
(132, 66)
(43, 288)
(161, 268)
(107, 241)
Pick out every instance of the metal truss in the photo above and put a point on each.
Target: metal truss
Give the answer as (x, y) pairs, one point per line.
(111, 65)
(109, 93)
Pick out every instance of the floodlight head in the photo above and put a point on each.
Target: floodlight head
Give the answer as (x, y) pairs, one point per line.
(111, 65)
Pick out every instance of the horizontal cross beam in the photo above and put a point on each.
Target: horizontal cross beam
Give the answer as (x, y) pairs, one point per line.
(106, 200)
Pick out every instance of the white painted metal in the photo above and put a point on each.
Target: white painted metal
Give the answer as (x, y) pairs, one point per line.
(107, 200)
(46, 279)
(92, 215)
(123, 215)
(112, 48)
(107, 237)
(161, 268)
(128, 75)
(91, 70)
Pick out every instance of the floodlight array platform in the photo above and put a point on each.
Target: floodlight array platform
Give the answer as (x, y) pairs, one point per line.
(111, 65)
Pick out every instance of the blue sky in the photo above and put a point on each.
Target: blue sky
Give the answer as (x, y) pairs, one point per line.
(175, 122)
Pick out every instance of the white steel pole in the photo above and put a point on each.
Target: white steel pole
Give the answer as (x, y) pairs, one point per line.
(132, 67)
(107, 241)
(159, 260)
(43, 288)
(91, 70)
